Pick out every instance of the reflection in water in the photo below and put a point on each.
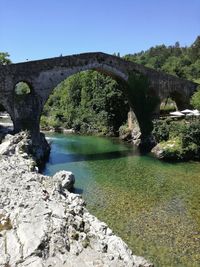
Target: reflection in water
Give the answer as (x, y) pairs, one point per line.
(153, 206)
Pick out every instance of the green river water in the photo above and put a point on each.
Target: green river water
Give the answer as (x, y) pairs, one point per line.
(154, 206)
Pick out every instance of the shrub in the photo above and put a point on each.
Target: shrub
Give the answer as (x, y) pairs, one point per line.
(161, 130)
(124, 129)
(195, 100)
(43, 122)
(172, 149)
(179, 140)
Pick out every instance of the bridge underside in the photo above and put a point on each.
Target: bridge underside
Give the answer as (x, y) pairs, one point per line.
(145, 88)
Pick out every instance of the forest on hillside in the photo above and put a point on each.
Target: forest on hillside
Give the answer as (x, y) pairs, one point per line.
(183, 62)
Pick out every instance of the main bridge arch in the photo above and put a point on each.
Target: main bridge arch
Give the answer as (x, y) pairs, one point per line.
(145, 87)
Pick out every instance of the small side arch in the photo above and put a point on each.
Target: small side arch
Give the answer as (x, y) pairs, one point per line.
(167, 105)
(182, 102)
(6, 120)
(22, 88)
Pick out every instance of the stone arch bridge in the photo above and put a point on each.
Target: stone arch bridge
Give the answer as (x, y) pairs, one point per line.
(145, 87)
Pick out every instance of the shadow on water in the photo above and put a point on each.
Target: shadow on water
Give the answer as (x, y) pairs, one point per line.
(77, 190)
(59, 158)
(6, 129)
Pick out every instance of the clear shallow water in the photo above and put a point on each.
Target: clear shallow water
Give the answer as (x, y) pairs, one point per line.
(154, 206)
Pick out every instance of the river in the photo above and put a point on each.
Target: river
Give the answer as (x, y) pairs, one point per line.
(152, 205)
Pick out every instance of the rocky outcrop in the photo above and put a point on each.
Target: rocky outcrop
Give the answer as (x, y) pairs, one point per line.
(43, 224)
(136, 136)
(173, 150)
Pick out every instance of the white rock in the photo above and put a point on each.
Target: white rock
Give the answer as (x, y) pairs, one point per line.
(14, 247)
(4, 147)
(66, 179)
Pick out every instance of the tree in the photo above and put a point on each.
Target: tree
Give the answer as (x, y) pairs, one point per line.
(89, 102)
(195, 100)
(4, 58)
(194, 50)
(184, 62)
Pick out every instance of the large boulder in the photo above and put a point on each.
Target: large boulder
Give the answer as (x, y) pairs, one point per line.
(171, 150)
(22, 143)
(65, 180)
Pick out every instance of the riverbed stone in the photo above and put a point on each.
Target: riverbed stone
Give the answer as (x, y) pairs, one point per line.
(43, 224)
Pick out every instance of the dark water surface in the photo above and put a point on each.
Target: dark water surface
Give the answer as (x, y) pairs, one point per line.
(154, 206)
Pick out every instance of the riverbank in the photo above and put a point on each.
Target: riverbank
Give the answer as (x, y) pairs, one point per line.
(43, 224)
(177, 140)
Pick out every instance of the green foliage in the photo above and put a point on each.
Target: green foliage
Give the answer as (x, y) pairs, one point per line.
(161, 130)
(22, 88)
(197, 81)
(4, 58)
(89, 102)
(194, 50)
(124, 129)
(172, 149)
(183, 62)
(191, 134)
(195, 100)
(178, 139)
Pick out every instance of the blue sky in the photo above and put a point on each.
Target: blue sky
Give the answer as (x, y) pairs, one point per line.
(36, 29)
